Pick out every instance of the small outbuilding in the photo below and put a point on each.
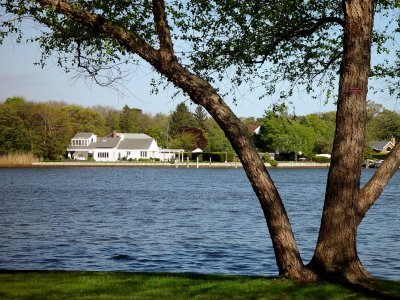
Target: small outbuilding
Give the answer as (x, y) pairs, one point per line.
(197, 150)
(382, 146)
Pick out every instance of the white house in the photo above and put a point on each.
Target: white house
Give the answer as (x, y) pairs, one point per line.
(137, 145)
(118, 146)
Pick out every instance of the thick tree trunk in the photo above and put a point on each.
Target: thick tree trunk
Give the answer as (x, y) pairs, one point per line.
(286, 252)
(336, 251)
(202, 93)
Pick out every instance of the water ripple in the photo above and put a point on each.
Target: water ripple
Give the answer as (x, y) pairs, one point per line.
(171, 220)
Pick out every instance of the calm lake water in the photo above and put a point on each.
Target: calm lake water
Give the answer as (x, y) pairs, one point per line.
(171, 220)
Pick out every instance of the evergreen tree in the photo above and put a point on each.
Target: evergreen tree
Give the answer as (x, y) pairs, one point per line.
(200, 115)
(180, 119)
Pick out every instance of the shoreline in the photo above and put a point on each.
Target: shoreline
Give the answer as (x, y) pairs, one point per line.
(185, 165)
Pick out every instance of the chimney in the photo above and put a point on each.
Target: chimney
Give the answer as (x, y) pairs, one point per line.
(114, 134)
(393, 140)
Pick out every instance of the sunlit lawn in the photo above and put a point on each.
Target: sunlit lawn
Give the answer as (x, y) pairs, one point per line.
(121, 285)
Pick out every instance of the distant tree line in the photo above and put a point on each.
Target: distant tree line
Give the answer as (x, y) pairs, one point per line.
(288, 135)
(45, 129)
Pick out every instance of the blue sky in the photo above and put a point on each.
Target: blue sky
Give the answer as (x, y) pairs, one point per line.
(20, 77)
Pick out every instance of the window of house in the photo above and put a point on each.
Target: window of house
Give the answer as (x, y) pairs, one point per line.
(143, 153)
(128, 153)
(102, 154)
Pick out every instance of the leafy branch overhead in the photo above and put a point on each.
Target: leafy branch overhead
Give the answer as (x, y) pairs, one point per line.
(260, 44)
(298, 42)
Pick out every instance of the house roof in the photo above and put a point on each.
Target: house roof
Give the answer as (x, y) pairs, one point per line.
(83, 135)
(135, 143)
(135, 136)
(378, 145)
(106, 142)
(253, 128)
(126, 141)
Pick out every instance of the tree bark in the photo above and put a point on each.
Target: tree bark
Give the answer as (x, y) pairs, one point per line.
(374, 187)
(336, 251)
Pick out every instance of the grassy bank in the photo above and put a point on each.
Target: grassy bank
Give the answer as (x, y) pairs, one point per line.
(118, 285)
(17, 160)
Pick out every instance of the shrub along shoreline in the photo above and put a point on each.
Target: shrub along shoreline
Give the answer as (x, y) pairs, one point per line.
(124, 285)
(18, 159)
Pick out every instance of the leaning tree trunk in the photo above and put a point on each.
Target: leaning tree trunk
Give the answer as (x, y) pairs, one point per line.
(202, 93)
(336, 251)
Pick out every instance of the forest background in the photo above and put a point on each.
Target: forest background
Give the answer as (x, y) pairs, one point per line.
(46, 128)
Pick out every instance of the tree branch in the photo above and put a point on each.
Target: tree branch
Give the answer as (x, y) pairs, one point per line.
(96, 71)
(99, 24)
(318, 23)
(374, 188)
(296, 32)
(162, 28)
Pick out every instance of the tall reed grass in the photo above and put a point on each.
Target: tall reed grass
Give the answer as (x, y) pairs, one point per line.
(17, 159)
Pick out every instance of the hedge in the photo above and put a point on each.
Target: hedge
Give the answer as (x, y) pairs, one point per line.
(215, 156)
(378, 156)
(321, 159)
(273, 163)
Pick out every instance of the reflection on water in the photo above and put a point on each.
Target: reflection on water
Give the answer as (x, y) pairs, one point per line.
(171, 220)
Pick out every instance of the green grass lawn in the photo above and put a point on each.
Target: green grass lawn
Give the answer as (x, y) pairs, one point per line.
(120, 285)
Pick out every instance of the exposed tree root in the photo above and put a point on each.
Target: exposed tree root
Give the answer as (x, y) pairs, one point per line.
(369, 287)
(355, 278)
(305, 275)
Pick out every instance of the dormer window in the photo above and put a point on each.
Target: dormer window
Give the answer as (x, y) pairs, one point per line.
(76, 142)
